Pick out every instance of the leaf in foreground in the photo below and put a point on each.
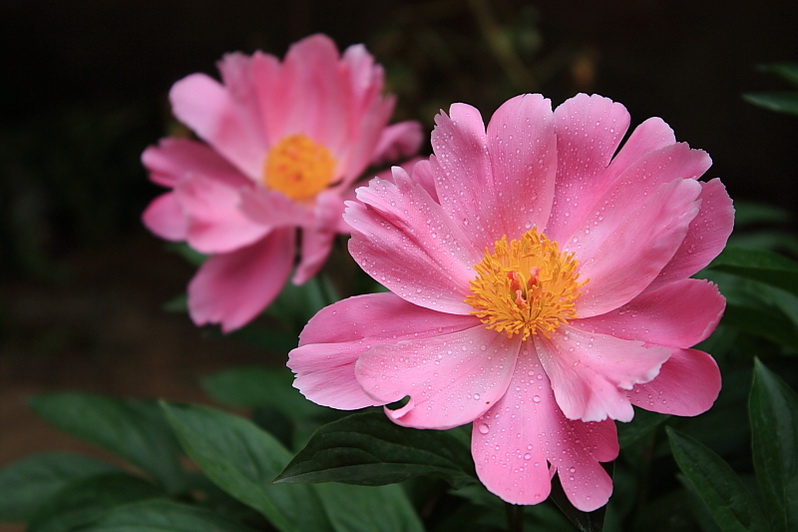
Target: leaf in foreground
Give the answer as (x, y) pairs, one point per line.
(773, 408)
(727, 498)
(366, 448)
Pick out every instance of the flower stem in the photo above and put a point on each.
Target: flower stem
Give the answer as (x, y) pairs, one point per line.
(515, 517)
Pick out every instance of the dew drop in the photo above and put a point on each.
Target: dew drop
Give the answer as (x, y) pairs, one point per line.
(483, 428)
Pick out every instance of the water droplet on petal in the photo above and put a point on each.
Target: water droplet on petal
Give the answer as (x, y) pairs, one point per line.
(483, 428)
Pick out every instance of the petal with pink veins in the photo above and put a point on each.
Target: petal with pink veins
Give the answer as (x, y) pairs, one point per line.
(677, 314)
(589, 130)
(589, 371)
(620, 264)
(687, 385)
(405, 241)
(452, 378)
(706, 236)
(233, 288)
(173, 159)
(216, 223)
(333, 340)
(524, 438)
(164, 217)
(523, 155)
(210, 111)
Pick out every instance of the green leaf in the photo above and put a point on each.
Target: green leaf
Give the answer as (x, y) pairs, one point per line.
(643, 424)
(162, 516)
(26, 484)
(259, 386)
(369, 508)
(727, 498)
(760, 265)
(133, 430)
(779, 101)
(366, 448)
(773, 408)
(757, 308)
(84, 500)
(788, 71)
(242, 460)
(752, 213)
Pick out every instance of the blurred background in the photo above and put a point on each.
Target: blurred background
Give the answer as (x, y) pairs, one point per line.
(84, 84)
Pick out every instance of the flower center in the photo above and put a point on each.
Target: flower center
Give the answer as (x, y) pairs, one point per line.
(298, 167)
(526, 286)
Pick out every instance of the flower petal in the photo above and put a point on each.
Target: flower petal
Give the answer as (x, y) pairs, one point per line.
(397, 142)
(706, 236)
(207, 107)
(233, 288)
(333, 340)
(317, 239)
(678, 314)
(623, 262)
(588, 371)
(687, 385)
(405, 241)
(173, 159)
(462, 172)
(514, 442)
(164, 217)
(452, 378)
(589, 130)
(523, 154)
(273, 209)
(216, 223)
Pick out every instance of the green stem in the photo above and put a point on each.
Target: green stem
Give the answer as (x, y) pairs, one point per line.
(515, 517)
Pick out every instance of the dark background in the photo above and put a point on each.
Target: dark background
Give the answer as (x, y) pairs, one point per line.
(84, 91)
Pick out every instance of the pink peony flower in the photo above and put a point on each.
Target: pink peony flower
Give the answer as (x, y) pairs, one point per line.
(285, 142)
(539, 289)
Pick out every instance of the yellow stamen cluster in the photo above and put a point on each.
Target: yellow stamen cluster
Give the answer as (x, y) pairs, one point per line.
(525, 286)
(298, 167)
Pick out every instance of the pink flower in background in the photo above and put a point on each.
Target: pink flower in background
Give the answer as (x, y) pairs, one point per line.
(540, 288)
(284, 143)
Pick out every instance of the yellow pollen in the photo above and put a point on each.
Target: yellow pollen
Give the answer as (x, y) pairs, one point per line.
(526, 286)
(298, 167)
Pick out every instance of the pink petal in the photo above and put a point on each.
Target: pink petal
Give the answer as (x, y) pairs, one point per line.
(233, 288)
(687, 385)
(639, 180)
(678, 314)
(451, 378)
(707, 235)
(588, 371)
(333, 340)
(273, 209)
(216, 223)
(397, 142)
(523, 155)
(515, 441)
(462, 173)
(422, 174)
(208, 108)
(165, 218)
(589, 130)
(622, 263)
(317, 239)
(405, 241)
(651, 135)
(174, 158)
